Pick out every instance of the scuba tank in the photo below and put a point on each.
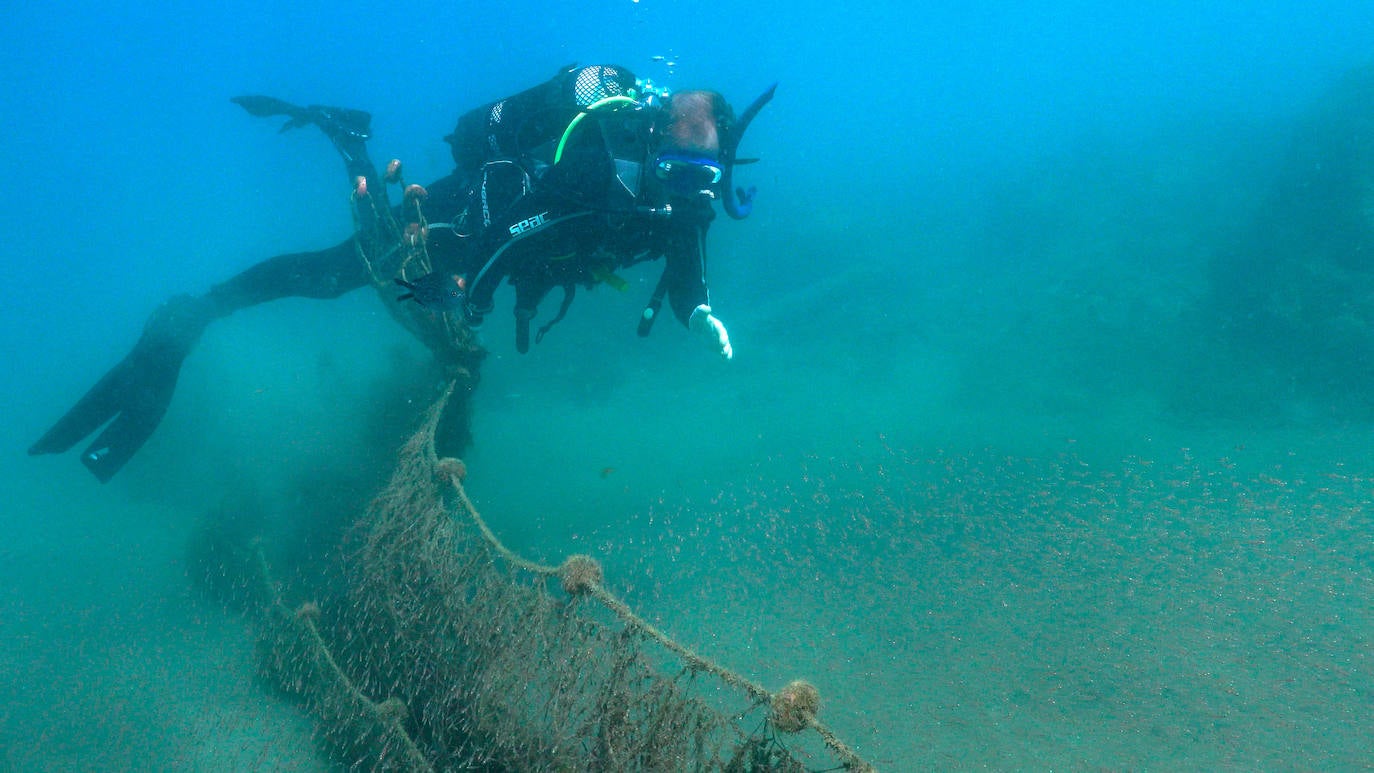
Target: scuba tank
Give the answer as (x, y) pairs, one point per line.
(530, 124)
(504, 148)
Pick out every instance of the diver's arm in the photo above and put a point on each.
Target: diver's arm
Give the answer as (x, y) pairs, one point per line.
(685, 272)
(685, 280)
(131, 399)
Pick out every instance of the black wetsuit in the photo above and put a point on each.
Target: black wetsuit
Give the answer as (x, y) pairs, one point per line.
(537, 224)
(524, 219)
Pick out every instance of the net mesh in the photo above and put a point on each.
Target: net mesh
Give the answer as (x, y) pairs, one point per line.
(437, 648)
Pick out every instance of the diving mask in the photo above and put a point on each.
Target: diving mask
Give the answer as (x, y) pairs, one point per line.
(688, 175)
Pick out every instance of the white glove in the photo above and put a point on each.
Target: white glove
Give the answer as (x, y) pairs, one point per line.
(703, 323)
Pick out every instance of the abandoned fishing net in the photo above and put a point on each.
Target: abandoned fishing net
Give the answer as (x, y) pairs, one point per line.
(443, 650)
(431, 646)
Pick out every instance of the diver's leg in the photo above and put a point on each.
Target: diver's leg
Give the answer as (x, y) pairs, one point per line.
(134, 395)
(376, 231)
(349, 131)
(324, 274)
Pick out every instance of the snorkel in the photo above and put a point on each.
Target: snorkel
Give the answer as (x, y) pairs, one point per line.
(739, 209)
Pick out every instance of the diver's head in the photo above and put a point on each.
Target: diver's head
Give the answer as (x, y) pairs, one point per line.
(689, 158)
(696, 121)
(699, 143)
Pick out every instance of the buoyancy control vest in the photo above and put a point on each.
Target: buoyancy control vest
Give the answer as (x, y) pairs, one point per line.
(581, 138)
(556, 135)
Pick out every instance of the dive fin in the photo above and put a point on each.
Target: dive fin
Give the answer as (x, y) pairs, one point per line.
(338, 123)
(263, 107)
(100, 404)
(133, 396)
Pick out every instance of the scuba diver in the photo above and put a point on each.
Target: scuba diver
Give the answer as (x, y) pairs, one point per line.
(558, 186)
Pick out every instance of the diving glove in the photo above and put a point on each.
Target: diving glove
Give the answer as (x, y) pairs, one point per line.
(703, 323)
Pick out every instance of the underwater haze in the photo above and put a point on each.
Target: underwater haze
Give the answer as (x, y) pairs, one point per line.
(1046, 443)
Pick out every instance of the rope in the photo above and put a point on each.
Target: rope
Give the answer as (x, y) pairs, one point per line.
(510, 556)
(387, 715)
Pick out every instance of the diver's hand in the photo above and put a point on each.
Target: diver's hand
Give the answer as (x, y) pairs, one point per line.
(703, 323)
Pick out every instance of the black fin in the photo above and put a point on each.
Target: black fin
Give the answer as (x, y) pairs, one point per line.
(262, 106)
(338, 123)
(132, 397)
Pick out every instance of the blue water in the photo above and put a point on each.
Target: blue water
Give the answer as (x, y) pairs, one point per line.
(1004, 464)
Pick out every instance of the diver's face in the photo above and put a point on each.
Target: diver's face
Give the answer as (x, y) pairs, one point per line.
(688, 162)
(693, 128)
